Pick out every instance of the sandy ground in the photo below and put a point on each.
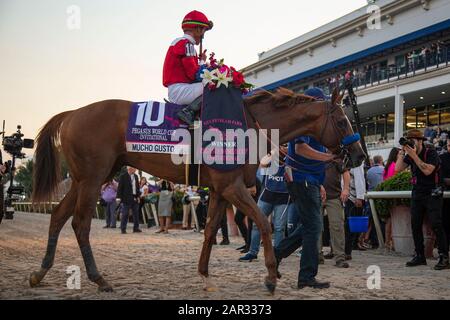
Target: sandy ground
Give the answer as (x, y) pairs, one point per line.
(155, 266)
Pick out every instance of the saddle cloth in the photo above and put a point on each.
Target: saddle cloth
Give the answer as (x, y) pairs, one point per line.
(151, 127)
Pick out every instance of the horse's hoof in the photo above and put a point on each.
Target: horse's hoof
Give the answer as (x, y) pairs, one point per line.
(35, 279)
(270, 285)
(105, 288)
(212, 288)
(208, 285)
(103, 285)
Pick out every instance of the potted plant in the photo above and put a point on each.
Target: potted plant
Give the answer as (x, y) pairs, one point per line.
(398, 211)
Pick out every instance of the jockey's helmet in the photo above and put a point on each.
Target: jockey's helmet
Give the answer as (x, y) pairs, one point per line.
(196, 19)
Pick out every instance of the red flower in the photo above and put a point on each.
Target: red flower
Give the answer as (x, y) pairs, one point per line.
(238, 78)
(212, 60)
(212, 86)
(224, 69)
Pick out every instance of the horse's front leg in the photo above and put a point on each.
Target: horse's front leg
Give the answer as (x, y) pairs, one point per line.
(240, 197)
(216, 210)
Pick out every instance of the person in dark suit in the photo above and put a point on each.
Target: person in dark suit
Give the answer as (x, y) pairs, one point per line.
(128, 193)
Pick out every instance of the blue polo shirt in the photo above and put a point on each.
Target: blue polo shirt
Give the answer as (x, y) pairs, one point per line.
(304, 169)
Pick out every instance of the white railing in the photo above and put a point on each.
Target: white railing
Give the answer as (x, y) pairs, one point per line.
(372, 195)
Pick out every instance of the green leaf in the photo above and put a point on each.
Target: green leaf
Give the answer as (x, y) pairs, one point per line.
(400, 182)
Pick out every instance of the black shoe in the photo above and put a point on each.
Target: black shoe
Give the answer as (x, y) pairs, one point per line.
(137, 230)
(245, 250)
(124, 231)
(186, 115)
(113, 227)
(225, 242)
(348, 257)
(106, 227)
(313, 284)
(241, 248)
(329, 256)
(342, 264)
(417, 261)
(443, 263)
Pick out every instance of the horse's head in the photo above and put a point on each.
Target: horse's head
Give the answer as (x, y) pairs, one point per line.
(296, 115)
(336, 133)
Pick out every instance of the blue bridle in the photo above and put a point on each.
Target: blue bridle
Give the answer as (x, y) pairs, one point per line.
(348, 140)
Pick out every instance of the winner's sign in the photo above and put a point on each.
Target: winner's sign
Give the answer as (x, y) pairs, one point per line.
(151, 127)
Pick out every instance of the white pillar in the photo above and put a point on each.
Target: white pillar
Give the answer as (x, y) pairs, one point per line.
(399, 111)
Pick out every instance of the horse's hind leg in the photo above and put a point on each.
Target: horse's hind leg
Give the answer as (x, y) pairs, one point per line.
(216, 210)
(58, 218)
(81, 223)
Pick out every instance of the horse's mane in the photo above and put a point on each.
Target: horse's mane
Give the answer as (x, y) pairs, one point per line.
(282, 97)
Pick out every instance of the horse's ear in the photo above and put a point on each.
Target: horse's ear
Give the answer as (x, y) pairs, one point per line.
(336, 98)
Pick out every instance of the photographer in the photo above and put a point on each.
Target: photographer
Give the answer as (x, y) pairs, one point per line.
(427, 195)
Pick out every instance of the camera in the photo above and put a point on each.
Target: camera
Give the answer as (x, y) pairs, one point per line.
(406, 142)
(14, 144)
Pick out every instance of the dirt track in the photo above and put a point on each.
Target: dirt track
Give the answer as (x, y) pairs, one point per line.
(155, 266)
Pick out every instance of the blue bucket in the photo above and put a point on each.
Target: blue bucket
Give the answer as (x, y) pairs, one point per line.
(358, 224)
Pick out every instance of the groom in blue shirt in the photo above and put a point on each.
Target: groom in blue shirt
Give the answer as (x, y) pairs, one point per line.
(306, 161)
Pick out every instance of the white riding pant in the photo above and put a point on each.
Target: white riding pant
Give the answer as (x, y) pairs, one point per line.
(185, 93)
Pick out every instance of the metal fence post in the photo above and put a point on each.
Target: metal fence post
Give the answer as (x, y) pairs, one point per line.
(155, 214)
(376, 221)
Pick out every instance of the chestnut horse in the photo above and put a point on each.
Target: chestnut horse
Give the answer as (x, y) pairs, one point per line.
(92, 140)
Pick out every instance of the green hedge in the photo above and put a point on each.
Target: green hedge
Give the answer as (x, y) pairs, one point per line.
(399, 182)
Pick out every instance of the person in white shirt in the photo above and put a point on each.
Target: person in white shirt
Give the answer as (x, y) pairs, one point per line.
(187, 209)
(354, 207)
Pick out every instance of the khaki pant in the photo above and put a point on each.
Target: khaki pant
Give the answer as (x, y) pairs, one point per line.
(186, 213)
(336, 219)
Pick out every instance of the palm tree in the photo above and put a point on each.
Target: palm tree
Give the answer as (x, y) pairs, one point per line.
(24, 176)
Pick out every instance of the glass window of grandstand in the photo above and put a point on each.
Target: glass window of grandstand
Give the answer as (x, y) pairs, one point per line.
(428, 116)
(378, 130)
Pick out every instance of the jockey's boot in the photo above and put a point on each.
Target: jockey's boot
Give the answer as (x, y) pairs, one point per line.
(187, 114)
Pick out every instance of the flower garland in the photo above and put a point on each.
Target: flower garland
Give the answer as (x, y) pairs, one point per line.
(218, 73)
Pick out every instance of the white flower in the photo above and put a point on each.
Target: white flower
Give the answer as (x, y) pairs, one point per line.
(222, 78)
(207, 77)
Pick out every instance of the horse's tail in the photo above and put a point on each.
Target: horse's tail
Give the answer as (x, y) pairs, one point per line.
(46, 168)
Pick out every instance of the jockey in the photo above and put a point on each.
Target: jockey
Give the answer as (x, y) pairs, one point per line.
(182, 66)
